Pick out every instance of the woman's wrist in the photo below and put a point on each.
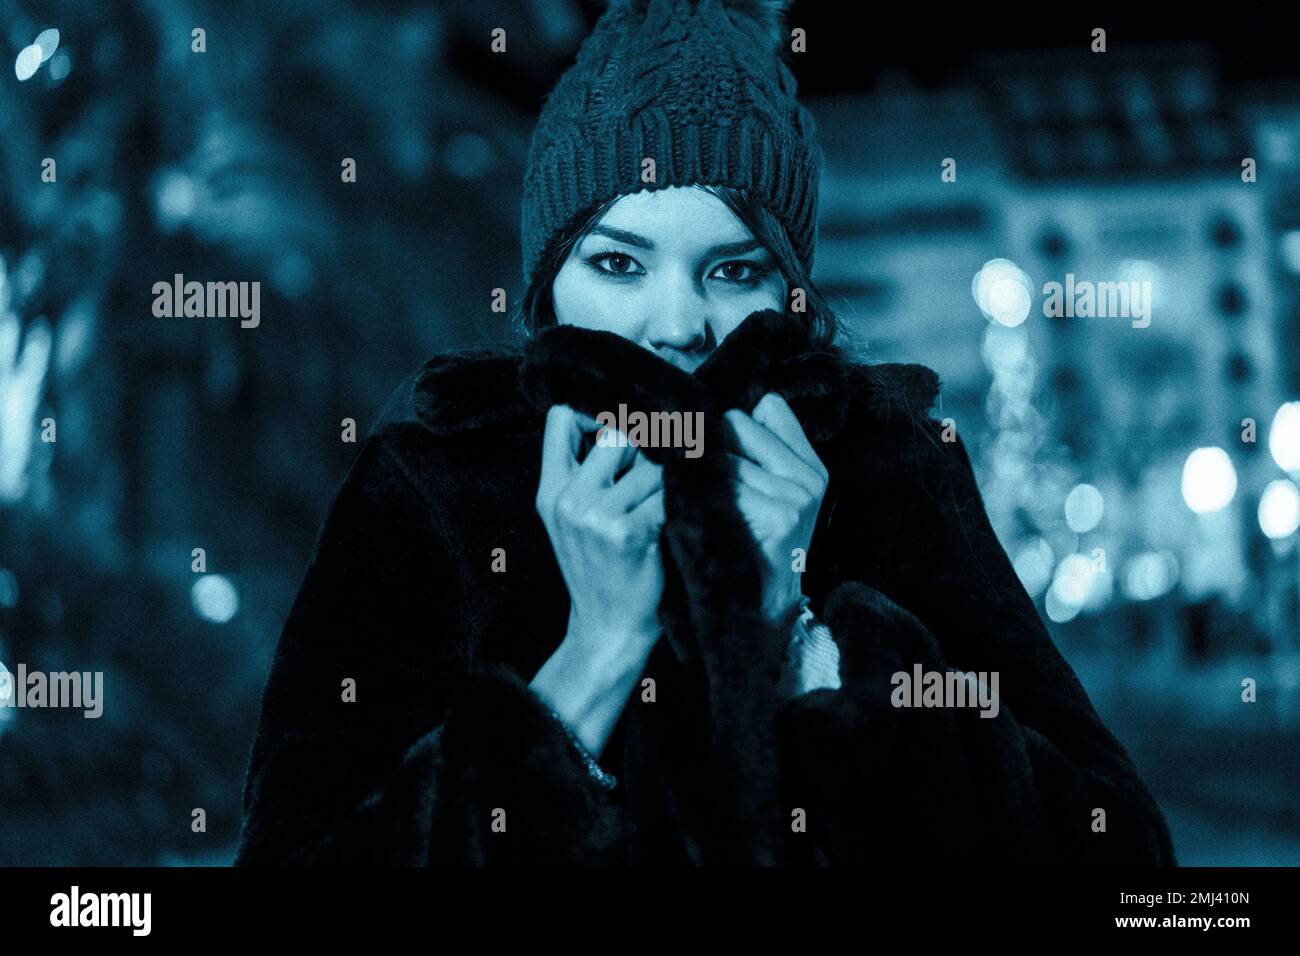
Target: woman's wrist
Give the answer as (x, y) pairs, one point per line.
(586, 690)
(608, 663)
(611, 648)
(782, 612)
(782, 593)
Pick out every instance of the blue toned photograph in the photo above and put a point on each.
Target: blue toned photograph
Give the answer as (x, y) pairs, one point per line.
(629, 434)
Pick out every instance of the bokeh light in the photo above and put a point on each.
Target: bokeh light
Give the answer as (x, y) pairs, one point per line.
(60, 67)
(175, 199)
(1209, 480)
(1003, 292)
(1083, 508)
(214, 598)
(1004, 348)
(1074, 579)
(1058, 611)
(27, 62)
(1149, 575)
(1284, 437)
(1033, 566)
(47, 41)
(1101, 590)
(1279, 509)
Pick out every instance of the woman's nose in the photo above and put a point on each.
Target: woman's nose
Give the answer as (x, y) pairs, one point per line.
(680, 323)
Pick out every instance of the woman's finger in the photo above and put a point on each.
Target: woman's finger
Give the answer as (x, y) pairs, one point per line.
(762, 447)
(560, 444)
(772, 485)
(603, 462)
(586, 423)
(640, 481)
(650, 513)
(775, 413)
(761, 512)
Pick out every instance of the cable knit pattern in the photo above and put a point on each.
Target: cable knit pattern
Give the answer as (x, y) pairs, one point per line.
(700, 87)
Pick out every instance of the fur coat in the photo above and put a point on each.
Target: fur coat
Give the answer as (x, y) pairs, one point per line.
(441, 754)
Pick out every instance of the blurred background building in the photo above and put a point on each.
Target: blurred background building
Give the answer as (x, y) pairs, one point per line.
(1143, 479)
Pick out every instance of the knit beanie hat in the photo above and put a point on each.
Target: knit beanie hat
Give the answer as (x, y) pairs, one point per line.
(698, 86)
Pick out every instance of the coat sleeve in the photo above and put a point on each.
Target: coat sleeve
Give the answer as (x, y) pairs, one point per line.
(1033, 784)
(437, 752)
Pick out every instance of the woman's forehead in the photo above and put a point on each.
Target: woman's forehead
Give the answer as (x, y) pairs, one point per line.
(681, 216)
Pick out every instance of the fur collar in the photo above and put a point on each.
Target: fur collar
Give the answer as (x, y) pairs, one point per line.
(718, 662)
(505, 386)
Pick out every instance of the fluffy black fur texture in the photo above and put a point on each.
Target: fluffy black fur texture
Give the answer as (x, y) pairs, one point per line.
(445, 736)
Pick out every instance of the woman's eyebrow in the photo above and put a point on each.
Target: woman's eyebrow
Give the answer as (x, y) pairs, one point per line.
(738, 248)
(622, 235)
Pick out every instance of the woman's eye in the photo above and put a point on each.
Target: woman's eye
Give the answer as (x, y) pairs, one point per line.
(620, 263)
(735, 272)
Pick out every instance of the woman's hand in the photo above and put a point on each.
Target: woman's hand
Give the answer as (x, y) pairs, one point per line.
(779, 489)
(605, 534)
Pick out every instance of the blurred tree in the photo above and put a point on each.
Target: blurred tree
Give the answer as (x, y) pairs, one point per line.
(173, 434)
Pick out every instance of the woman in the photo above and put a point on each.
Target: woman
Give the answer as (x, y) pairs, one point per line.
(524, 638)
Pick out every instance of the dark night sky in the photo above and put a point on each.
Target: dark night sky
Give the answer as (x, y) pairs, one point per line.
(934, 46)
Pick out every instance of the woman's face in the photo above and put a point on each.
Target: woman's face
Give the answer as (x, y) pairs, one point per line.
(672, 269)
